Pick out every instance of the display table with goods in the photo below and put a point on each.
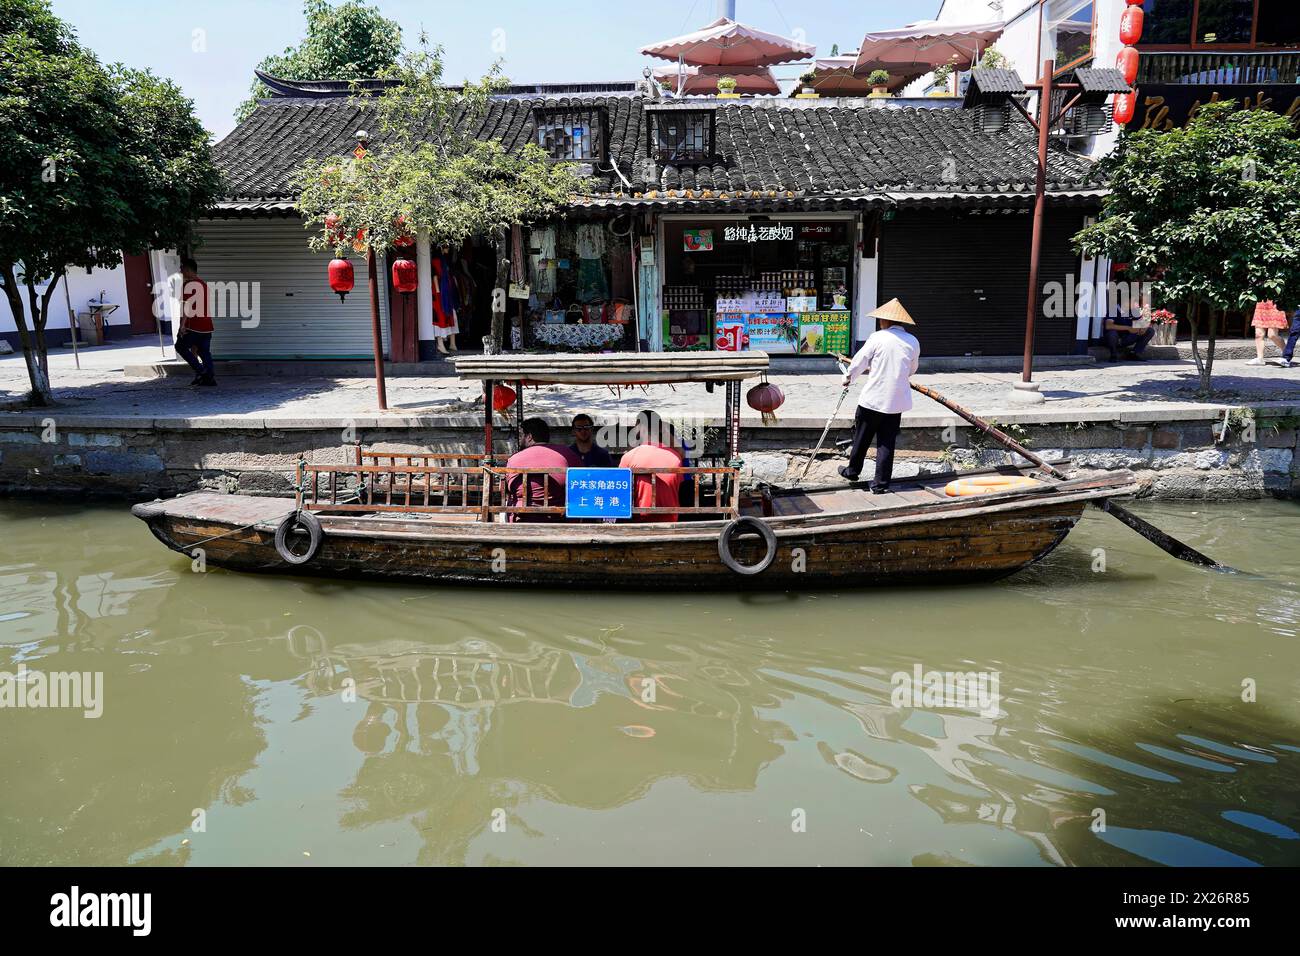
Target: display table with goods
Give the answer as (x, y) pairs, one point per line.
(575, 336)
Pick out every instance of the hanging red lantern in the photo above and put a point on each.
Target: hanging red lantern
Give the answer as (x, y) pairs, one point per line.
(503, 396)
(765, 398)
(1136, 3)
(404, 238)
(342, 278)
(1125, 108)
(405, 276)
(1127, 62)
(1131, 22)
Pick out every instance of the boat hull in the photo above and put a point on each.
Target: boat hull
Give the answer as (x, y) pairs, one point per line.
(816, 552)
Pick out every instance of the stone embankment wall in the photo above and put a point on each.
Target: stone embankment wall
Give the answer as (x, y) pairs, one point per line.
(142, 458)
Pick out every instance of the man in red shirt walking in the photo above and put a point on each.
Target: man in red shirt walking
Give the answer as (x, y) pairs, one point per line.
(194, 338)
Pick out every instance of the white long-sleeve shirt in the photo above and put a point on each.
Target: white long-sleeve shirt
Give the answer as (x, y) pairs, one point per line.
(889, 357)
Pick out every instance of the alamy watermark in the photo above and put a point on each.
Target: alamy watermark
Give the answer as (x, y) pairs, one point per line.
(948, 690)
(36, 690)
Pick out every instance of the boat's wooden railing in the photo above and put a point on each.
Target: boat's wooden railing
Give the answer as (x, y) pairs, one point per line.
(717, 492)
(485, 491)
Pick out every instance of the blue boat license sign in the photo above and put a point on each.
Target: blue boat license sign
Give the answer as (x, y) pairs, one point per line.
(598, 493)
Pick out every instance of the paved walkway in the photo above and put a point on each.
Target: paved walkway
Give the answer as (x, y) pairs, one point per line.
(1152, 390)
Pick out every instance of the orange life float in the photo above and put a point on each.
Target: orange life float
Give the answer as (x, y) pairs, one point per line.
(988, 484)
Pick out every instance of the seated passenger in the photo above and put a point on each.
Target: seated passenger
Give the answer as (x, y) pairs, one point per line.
(656, 449)
(584, 444)
(537, 452)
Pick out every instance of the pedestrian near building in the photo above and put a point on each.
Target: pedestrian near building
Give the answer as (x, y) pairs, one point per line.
(1267, 323)
(1288, 353)
(889, 359)
(194, 333)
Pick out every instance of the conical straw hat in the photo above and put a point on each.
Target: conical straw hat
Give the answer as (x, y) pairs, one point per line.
(893, 311)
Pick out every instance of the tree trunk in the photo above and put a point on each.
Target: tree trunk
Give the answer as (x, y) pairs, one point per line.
(33, 341)
(492, 344)
(1207, 379)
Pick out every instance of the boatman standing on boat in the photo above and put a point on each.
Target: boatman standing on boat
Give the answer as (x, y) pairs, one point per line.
(889, 358)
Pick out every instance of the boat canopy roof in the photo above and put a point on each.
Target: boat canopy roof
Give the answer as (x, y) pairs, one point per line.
(616, 368)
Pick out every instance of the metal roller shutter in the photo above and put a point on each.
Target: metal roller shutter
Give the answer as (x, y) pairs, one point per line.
(964, 278)
(300, 318)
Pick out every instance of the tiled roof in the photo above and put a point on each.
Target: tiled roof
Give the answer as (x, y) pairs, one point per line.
(1107, 80)
(835, 149)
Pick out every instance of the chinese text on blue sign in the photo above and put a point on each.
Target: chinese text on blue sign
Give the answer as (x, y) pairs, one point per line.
(598, 493)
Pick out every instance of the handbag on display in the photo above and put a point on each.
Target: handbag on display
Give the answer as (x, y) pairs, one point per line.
(574, 314)
(594, 314)
(554, 316)
(620, 312)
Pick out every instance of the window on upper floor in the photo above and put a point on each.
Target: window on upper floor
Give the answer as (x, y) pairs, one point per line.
(1167, 21)
(681, 136)
(1273, 23)
(1068, 31)
(576, 134)
(1279, 23)
(1225, 21)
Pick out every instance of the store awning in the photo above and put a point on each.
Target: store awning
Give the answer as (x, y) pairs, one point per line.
(921, 47)
(703, 80)
(728, 43)
(617, 368)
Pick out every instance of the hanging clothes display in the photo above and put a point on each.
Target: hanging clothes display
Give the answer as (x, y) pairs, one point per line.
(541, 259)
(446, 301)
(590, 243)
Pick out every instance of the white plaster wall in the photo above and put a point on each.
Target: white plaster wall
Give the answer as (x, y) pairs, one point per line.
(82, 287)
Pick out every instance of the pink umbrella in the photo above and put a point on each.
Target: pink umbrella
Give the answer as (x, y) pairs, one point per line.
(921, 47)
(704, 79)
(728, 43)
(834, 74)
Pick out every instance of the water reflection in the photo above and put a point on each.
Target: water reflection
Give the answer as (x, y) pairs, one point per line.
(393, 724)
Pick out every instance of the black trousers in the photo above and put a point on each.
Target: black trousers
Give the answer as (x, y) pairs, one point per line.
(869, 424)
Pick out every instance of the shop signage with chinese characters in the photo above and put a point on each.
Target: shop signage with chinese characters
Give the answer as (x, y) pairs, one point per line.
(598, 493)
(1168, 105)
(772, 331)
(759, 232)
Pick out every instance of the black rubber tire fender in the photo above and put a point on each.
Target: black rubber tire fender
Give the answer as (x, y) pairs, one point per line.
(306, 520)
(747, 523)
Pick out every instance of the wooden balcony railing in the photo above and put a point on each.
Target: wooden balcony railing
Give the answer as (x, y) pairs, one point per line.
(1219, 69)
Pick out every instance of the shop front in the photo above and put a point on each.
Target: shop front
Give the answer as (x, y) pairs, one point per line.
(779, 284)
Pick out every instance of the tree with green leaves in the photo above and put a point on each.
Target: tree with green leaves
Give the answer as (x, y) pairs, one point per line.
(351, 41)
(426, 171)
(97, 161)
(1211, 212)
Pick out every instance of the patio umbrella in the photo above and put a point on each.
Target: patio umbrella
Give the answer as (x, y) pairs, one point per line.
(919, 48)
(834, 74)
(704, 79)
(725, 42)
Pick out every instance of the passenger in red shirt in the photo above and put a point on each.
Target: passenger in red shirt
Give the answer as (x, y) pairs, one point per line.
(537, 452)
(194, 333)
(657, 449)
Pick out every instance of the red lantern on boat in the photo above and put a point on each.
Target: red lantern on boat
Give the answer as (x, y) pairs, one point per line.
(342, 278)
(503, 396)
(1127, 62)
(1125, 108)
(405, 276)
(765, 398)
(1131, 22)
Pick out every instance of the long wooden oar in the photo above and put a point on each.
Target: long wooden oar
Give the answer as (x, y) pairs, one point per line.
(827, 430)
(1165, 542)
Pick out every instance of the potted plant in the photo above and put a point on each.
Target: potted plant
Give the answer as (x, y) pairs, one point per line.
(879, 82)
(727, 87)
(806, 80)
(1166, 325)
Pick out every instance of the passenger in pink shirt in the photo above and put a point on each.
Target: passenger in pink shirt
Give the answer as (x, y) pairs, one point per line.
(657, 449)
(537, 452)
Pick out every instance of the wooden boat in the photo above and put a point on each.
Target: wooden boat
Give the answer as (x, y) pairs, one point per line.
(442, 518)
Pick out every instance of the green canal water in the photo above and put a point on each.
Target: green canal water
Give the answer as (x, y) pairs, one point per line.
(265, 720)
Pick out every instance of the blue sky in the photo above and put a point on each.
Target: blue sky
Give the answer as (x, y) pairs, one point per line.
(539, 40)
